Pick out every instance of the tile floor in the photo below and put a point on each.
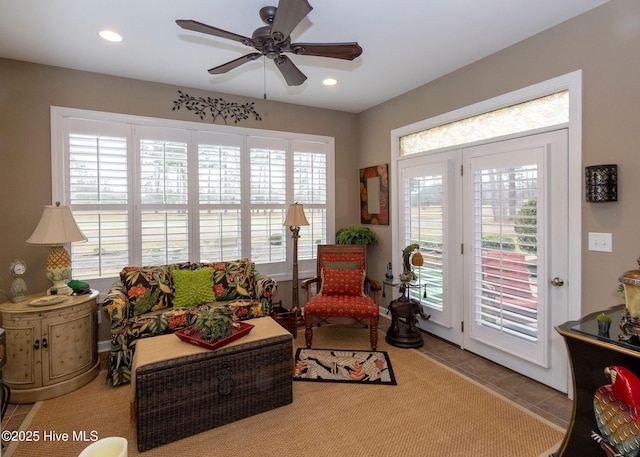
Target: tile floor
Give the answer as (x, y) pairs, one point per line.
(542, 400)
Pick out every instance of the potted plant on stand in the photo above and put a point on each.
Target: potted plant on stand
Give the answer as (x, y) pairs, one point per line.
(356, 234)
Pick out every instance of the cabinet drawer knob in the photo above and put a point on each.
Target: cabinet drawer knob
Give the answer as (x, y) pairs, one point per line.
(45, 344)
(36, 345)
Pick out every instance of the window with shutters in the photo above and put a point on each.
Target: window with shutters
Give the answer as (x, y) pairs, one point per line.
(147, 191)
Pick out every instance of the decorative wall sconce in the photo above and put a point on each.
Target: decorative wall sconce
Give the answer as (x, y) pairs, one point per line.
(601, 183)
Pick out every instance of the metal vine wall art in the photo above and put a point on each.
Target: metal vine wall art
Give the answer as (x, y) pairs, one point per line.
(215, 107)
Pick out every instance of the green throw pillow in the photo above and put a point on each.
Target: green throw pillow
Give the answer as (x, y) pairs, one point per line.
(192, 287)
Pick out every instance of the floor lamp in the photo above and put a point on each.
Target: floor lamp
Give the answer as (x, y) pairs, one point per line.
(294, 220)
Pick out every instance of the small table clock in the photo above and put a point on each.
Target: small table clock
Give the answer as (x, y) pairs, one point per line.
(18, 290)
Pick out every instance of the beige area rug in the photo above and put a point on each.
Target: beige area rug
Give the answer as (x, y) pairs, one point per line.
(431, 412)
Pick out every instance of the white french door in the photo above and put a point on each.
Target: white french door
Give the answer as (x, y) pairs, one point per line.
(516, 243)
(430, 198)
(491, 221)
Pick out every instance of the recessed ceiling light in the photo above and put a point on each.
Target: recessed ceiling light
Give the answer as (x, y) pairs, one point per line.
(110, 35)
(330, 82)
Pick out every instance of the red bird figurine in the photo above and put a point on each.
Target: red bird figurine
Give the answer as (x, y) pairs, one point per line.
(617, 409)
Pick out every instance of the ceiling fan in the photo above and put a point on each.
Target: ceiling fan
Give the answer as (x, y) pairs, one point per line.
(273, 39)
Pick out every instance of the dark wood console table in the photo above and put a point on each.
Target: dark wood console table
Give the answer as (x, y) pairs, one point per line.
(590, 353)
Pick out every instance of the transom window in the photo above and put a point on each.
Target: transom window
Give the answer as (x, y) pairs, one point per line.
(148, 191)
(522, 117)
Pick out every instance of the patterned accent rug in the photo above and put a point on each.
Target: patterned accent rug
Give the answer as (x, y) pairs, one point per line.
(333, 365)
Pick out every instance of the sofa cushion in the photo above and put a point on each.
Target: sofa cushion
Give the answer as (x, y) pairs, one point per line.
(342, 282)
(192, 287)
(232, 280)
(243, 309)
(148, 288)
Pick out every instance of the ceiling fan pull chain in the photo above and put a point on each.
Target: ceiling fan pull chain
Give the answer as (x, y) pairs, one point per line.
(264, 76)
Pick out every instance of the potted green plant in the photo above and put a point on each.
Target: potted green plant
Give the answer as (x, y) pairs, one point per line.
(356, 234)
(604, 323)
(214, 323)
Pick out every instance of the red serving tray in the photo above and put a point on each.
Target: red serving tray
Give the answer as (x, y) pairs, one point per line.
(189, 336)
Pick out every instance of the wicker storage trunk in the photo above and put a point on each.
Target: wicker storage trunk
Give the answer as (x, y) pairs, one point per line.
(188, 395)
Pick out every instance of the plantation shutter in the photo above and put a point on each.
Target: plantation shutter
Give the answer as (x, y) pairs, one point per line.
(505, 254)
(220, 196)
(424, 225)
(164, 196)
(98, 193)
(268, 198)
(310, 190)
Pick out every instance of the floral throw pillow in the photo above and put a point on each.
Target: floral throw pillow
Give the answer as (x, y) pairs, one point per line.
(342, 282)
(232, 280)
(148, 288)
(192, 287)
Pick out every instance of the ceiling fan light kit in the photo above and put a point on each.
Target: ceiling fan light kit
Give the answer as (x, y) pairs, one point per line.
(273, 40)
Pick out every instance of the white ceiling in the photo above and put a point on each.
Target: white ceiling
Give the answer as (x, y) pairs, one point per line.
(406, 43)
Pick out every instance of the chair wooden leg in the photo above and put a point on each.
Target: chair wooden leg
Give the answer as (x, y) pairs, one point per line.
(308, 329)
(373, 332)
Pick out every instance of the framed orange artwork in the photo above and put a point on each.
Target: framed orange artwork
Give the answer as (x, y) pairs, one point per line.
(374, 195)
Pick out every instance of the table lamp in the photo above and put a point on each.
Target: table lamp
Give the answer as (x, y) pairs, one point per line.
(56, 228)
(294, 220)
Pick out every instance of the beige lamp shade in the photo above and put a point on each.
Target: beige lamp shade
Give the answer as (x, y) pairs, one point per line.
(295, 216)
(56, 228)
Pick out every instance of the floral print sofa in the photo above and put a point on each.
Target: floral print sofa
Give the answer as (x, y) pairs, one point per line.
(144, 303)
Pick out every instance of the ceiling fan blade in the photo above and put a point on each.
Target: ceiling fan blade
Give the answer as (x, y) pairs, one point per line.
(288, 16)
(209, 30)
(346, 51)
(225, 67)
(291, 73)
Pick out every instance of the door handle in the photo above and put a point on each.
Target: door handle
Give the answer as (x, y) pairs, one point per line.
(558, 282)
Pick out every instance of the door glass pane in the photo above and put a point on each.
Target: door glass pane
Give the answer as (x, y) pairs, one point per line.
(505, 209)
(424, 222)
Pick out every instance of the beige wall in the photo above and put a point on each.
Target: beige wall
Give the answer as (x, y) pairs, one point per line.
(605, 44)
(26, 93)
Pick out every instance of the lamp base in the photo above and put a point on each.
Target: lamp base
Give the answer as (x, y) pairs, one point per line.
(59, 270)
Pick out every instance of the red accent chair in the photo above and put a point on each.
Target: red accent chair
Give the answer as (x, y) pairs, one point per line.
(341, 289)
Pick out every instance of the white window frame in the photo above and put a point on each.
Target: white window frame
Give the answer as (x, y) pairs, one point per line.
(281, 271)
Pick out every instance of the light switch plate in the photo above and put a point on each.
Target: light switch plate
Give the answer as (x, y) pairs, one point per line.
(602, 242)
